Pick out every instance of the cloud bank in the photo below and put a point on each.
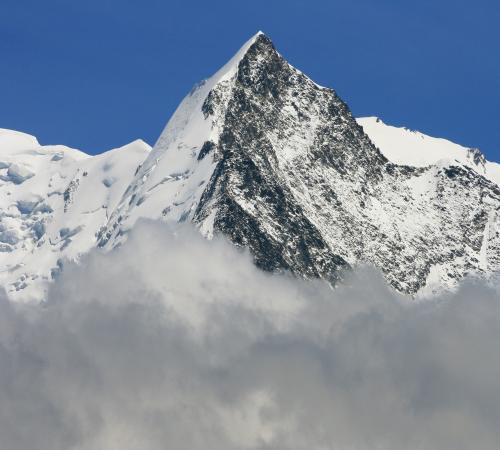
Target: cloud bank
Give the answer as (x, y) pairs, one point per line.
(174, 342)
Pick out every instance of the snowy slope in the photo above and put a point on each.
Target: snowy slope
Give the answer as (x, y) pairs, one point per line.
(412, 148)
(53, 201)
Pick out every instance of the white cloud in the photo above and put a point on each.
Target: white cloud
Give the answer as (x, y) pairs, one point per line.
(174, 342)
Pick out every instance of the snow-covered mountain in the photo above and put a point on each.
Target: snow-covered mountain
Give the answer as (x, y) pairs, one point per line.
(265, 156)
(53, 201)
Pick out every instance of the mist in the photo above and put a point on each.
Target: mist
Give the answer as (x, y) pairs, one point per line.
(175, 342)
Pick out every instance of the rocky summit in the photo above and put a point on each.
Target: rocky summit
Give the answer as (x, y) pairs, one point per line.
(264, 156)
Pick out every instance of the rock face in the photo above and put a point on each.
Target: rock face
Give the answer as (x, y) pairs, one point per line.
(263, 155)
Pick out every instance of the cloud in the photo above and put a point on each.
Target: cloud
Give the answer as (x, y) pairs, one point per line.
(175, 342)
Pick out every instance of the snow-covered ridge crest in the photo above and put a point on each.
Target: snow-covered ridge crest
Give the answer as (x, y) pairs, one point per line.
(11, 140)
(410, 147)
(191, 105)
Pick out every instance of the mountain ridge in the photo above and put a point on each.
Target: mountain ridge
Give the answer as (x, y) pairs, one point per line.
(402, 145)
(276, 163)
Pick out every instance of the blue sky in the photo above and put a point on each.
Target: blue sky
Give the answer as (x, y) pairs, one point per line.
(97, 74)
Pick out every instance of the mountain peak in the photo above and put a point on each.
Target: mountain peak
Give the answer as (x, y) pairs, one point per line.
(263, 155)
(258, 37)
(258, 40)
